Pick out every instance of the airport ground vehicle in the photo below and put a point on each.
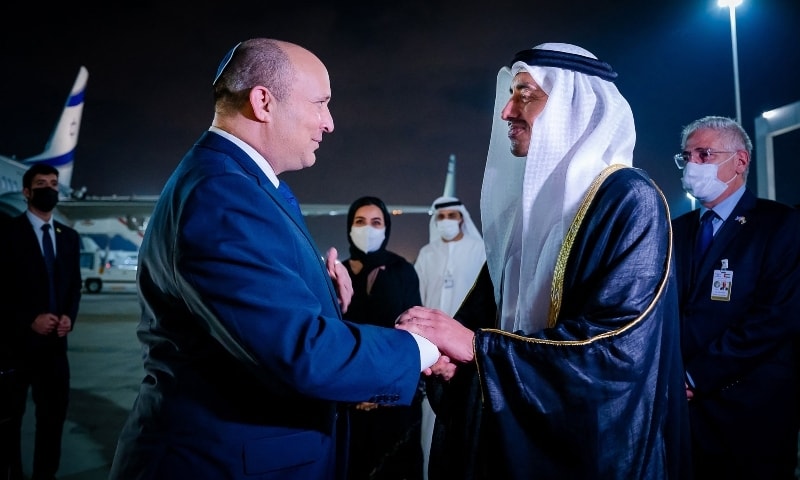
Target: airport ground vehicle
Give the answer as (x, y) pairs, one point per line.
(105, 270)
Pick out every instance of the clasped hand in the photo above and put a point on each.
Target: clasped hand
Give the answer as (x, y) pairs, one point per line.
(46, 323)
(452, 338)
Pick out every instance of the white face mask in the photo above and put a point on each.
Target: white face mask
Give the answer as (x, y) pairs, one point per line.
(701, 181)
(366, 238)
(448, 229)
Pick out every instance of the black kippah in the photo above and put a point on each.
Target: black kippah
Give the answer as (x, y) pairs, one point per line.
(569, 61)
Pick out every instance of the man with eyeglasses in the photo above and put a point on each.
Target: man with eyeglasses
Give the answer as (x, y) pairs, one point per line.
(739, 302)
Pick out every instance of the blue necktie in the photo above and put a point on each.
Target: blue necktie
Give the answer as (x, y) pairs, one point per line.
(283, 187)
(50, 263)
(705, 234)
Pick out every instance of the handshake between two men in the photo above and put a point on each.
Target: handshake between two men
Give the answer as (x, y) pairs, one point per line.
(454, 340)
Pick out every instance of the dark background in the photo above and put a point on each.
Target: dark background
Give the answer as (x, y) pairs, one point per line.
(412, 83)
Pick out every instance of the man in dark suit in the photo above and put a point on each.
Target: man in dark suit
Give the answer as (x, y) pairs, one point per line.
(245, 349)
(40, 294)
(739, 298)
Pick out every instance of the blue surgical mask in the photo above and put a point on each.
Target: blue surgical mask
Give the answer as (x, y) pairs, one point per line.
(702, 182)
(367, 238)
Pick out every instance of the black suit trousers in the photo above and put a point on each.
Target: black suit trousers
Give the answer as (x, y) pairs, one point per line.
(46, 376)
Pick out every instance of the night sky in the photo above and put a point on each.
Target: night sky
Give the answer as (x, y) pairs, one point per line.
(412, 84)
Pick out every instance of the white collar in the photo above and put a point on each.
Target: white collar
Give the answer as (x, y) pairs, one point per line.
(251, 152)
(38, 222)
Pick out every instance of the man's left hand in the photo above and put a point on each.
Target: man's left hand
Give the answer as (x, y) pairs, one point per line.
(340, 277)
(64, 326)
(443, 368)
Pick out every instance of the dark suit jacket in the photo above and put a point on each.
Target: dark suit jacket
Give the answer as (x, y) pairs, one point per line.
(245, 350)
(24, 287)
(741, 354)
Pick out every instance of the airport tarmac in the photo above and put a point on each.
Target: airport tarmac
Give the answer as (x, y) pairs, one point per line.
(106, 369)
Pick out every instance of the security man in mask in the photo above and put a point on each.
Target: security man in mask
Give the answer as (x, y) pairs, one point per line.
(40, 293)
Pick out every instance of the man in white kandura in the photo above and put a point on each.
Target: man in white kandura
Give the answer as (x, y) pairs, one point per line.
(447, 267)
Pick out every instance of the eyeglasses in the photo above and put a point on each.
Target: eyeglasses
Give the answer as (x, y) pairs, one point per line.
(681, 159)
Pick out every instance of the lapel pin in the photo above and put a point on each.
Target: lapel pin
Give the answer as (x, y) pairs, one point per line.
(741, 220)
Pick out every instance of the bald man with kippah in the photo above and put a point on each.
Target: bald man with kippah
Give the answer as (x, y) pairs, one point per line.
(246, 354)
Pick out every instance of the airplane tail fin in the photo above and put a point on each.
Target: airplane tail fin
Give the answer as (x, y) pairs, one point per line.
(450, 179)
(60, 149)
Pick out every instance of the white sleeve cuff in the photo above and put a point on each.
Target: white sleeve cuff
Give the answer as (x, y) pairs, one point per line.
(428, 353)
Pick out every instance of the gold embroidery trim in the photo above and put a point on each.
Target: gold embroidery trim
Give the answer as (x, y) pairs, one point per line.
(558, 278)
(557, 288)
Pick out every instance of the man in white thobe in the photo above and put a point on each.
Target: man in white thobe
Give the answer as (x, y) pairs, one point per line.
(447, 267)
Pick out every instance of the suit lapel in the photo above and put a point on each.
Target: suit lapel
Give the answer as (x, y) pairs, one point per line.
(29, 240)
(727, 233)
(217, 142)
(687, 233)
(61, 248)
(248, 166)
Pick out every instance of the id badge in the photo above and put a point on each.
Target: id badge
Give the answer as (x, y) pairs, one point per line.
(722, 283)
